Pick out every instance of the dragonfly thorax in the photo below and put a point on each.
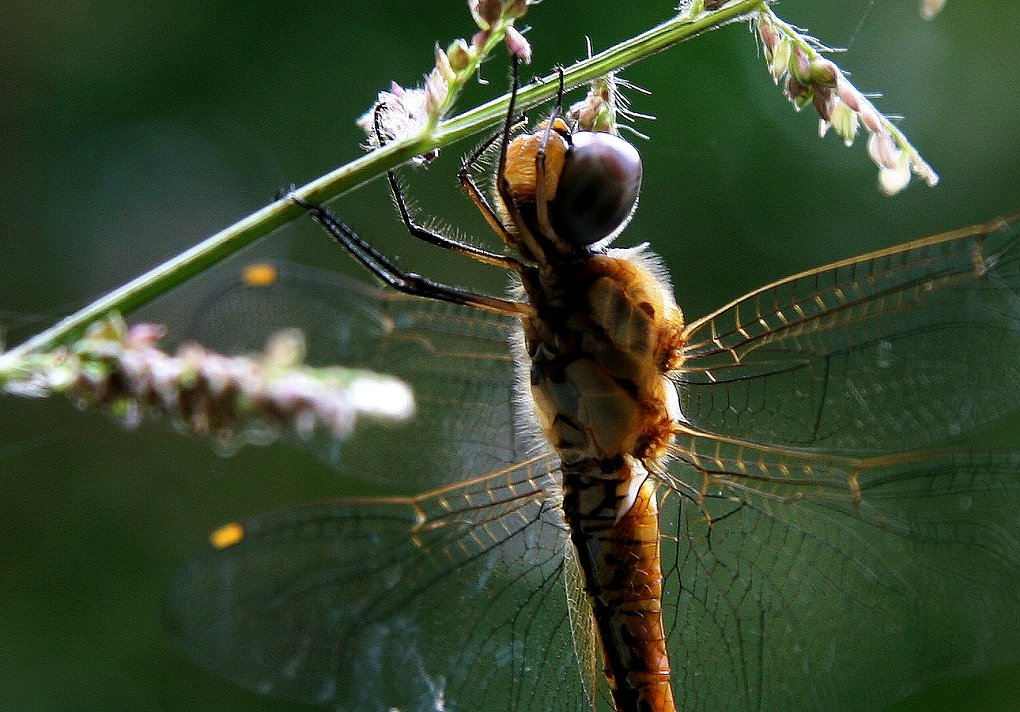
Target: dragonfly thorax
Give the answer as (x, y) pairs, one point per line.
(600, 345)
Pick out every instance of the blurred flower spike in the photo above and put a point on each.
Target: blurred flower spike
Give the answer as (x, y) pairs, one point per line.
(406, 113)
(233, 399)
(809, 79)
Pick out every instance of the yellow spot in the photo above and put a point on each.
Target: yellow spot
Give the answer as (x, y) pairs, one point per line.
(260, 274)
(226, 536)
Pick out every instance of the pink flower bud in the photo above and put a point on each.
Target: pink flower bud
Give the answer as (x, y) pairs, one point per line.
(518, 45)
(849, 95)
(824, 101)
(870, 118)
(478, 40)
(824, 73)
(485, 12)
(768, 35)
(794, 89)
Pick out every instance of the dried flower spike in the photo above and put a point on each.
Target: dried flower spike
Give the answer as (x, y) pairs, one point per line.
(809, 79)
(234, 399)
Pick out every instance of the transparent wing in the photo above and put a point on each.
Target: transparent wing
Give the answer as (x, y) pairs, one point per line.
(456, 359)
(822, 577)
(891, 350)
(802, 581)
(585, 633)
(451, 600)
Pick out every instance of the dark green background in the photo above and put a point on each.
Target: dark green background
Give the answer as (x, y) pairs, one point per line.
(132, 130)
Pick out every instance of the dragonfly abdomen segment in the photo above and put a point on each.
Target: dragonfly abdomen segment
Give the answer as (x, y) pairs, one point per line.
(619, 556)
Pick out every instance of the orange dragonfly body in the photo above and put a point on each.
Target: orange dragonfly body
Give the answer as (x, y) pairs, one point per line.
(626, 511)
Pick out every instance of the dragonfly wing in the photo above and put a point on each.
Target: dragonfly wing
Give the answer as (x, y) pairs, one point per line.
(456, 359)
(451, 600)
(584, 631)
(893, 350)
(798, 580)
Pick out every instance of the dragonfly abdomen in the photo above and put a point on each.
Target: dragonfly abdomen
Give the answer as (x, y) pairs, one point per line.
(619, 558)
(599, 353)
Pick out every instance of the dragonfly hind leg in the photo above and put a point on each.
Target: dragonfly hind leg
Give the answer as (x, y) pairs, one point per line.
(406, 282)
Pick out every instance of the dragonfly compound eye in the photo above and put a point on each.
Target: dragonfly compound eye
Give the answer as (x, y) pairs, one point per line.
(598, 188)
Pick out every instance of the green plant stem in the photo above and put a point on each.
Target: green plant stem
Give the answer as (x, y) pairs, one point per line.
(173, 272)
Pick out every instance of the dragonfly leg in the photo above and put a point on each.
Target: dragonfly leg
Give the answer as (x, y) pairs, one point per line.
(406, 282)
(433, 237)
(466, 177)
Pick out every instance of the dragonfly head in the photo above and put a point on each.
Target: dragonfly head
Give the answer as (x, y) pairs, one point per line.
(597, 190)
(590, 183)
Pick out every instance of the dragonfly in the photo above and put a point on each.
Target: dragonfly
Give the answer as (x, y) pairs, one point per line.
(616, 508)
